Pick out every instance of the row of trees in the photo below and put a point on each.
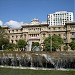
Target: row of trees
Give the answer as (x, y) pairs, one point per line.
(57, 41)
(11, 46)
(50, 43)
(5, 44)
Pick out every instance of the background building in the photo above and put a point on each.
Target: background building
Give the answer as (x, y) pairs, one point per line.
(37, 32)
(59, 18)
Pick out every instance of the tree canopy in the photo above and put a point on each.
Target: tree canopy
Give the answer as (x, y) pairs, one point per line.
(10, 46)
(35, 44)
(55, 42)
(21, 43)
(72, 45)
(3, 38)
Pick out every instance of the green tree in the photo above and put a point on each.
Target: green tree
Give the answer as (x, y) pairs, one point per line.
(10, 46)
(72, 45)
(35, 44)
(21, 44)
(3, 38)
(54, 41)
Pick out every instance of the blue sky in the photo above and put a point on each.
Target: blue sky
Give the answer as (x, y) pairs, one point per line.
(26, 10)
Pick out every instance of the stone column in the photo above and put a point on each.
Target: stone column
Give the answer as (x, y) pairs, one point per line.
(68, 36)
(29, 45)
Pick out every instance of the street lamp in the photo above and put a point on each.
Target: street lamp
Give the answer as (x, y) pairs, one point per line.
(51, 41)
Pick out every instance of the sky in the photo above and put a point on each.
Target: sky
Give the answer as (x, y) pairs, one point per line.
(15, 12)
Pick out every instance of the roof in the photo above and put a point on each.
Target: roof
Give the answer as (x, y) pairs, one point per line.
(35, 25)
(5, 27)
(70, 23)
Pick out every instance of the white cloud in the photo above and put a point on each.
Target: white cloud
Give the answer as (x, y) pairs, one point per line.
(1, 23)
(13, 24)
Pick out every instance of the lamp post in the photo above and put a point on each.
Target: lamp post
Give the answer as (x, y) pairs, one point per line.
(51, 41)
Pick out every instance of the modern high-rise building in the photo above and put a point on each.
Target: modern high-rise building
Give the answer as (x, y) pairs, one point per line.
(59, 18)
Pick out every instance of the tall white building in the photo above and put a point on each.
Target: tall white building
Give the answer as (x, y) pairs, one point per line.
(59, 18)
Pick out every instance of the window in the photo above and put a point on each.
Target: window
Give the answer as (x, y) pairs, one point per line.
(16, 36)
(48, 22)
(36, 35)
(73, 39)
(63, 27)
(32, 35)
(12, 30)
(53, 28)
(43, 35)
(72, 28)
(65, 34)
(58, 27)
(12, 41)
(9, 31)
(59, 34)
(20, 36)
(64, 40)
(29, 35)
(73, 34)
(12, 36)
(25, 35)
(49, 28)
(20, 29)
(17, 30)
(34, 28)
(29, 29)
(49, 34)
(16, 40)
(40, 29)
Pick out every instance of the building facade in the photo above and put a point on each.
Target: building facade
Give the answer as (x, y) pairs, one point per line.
(59, 18)
(37, 32)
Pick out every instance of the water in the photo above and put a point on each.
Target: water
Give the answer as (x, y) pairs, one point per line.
(38, 60)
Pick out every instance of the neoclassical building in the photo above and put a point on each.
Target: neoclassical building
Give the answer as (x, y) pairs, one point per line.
(37, 32)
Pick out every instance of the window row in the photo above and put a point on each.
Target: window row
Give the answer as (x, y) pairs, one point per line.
(59, 28)
(12, 41)
(14, 31)
(35, 29)
(33, 35)
(58, 34)
(17, 36)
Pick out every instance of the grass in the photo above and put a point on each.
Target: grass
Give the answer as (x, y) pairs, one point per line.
(10, 71)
